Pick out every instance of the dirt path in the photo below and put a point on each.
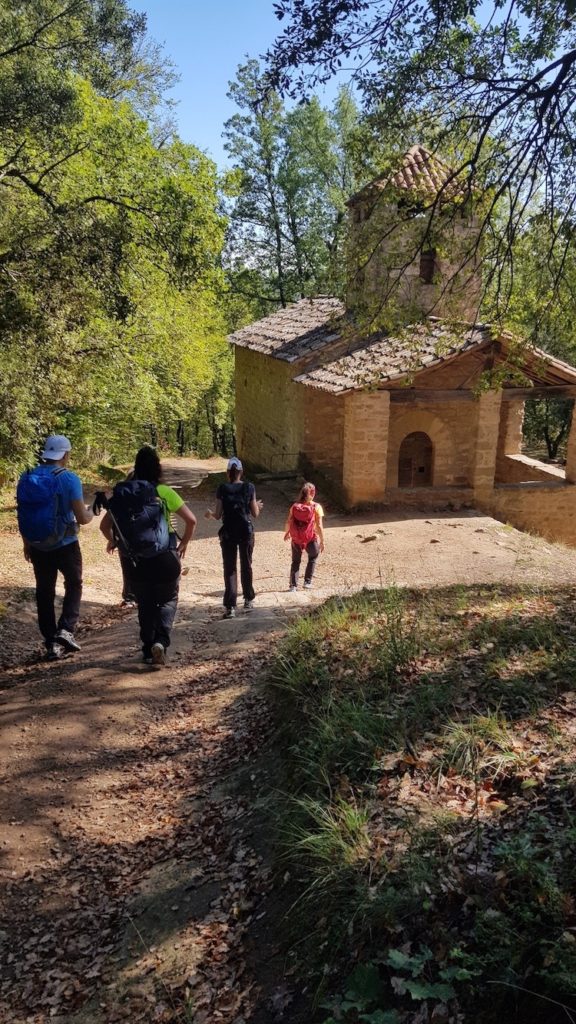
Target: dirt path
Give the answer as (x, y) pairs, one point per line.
(128, 865)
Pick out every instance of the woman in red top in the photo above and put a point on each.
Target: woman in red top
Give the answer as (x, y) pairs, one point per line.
(304, 528)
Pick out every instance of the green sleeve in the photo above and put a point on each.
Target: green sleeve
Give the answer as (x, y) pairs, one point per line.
(170, 498)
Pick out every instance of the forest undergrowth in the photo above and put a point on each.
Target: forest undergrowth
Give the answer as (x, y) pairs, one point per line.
(428, 805)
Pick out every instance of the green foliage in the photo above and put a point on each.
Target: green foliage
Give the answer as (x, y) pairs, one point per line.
(492, 94)
(293, 173)
(110, 327)
(363, 989)
(433, 882)
(314, 659)
(482, 746)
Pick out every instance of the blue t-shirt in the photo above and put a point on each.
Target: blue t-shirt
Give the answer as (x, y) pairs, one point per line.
(71, 490)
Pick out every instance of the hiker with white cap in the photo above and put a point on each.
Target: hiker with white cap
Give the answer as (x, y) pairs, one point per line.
(235, 505)
(51, 507)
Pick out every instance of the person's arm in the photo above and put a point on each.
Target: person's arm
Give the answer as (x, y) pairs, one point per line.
(189, 520)
(216, 512)
(255, 506)
(319, 529)
(83, 513)
(107, 528)
(287, 524)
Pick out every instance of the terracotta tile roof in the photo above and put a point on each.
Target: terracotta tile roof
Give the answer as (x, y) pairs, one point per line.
(421, 172)
(293, 333)
(320, 335)
(381, 360)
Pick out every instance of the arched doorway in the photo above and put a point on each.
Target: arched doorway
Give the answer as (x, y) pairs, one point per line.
(415, 461)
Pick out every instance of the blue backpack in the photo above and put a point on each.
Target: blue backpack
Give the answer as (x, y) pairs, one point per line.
(138, 517)
(42, 519)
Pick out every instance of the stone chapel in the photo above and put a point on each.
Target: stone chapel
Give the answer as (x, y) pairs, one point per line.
(426, 410)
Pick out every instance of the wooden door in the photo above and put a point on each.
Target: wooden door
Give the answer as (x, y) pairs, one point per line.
(415, 461)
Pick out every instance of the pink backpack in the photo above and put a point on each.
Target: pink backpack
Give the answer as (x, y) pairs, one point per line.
(303, 523)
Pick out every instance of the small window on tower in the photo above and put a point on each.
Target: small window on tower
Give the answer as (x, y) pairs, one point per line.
(427, 265)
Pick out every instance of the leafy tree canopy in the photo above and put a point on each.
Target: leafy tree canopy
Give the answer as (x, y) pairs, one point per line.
(110, 237)
(490, 86)
(293, 171)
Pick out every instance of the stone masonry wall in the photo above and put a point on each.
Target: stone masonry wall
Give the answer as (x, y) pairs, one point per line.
(486, 444)
(516, 469)
(269, 411)
(548, 510)
(452, 434)
(462, 372)
(323, 440)
(366, 422)
(384, 260)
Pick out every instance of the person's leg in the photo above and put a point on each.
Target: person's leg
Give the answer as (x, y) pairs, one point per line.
(295, 567)
(127, 582)
(229, 560)
(147, 609)
(312, 550)
(166, 604)
(156, 582)
(246, 548)
(45, 572)
(70, 565)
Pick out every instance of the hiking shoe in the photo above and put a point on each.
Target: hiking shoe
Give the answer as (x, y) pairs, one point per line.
(230, 613)
(66, 639)
(293, 589)
(307, 584)
(55, 652)
(248, 606)
(158, 655)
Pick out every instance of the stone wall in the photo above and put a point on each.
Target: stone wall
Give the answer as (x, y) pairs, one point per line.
(463, 371)
(452, 434)
(548, 510)
(486, 445)
(430, 498)
(323, 439)
(516, 469)
(269, 411)
(366, 423)
(385, 242)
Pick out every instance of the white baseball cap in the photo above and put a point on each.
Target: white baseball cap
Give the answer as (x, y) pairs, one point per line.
(56, 447)
(234, 463)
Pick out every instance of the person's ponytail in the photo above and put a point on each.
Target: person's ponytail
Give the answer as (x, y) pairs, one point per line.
(307, 492)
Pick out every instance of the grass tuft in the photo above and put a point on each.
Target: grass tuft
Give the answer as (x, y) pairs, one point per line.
(430, 800)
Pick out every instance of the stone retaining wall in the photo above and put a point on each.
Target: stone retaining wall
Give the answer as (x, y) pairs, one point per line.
(546, 509)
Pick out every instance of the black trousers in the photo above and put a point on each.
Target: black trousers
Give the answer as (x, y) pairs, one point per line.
(47, 564)
(127, 581)
(312, 550)
(156, 582)
(231, 548)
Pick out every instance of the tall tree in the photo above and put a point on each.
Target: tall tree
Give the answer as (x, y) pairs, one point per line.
(497, 94)
(293, 171)
(109, 240)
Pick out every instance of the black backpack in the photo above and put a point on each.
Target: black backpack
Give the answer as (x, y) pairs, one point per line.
(236, 511)
(139, 522)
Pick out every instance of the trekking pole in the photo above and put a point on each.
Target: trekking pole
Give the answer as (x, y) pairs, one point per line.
(122, 538)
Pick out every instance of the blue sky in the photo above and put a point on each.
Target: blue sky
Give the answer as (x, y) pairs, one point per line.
(207, 40)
